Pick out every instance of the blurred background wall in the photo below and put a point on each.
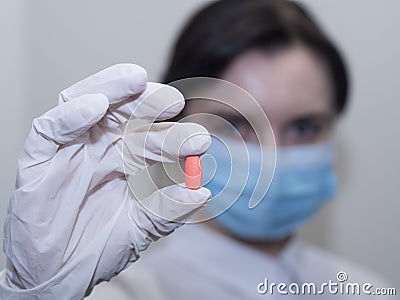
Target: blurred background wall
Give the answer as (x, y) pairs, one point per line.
(13, 122)
(48, 45)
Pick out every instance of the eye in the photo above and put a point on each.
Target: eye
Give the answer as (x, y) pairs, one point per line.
(304, 131)
(237, 125)
(240, 126)
(305, 128)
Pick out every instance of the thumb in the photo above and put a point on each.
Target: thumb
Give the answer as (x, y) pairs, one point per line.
(165, 210)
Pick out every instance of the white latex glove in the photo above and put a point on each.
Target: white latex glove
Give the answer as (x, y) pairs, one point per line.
(72, 221)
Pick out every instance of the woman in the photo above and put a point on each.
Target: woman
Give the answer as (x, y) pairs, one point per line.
(276, 52)
(72, 221)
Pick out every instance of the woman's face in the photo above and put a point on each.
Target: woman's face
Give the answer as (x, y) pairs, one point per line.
(292, 86)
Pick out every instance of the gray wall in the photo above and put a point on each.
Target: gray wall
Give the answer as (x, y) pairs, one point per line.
(48, 45)
(13, 85)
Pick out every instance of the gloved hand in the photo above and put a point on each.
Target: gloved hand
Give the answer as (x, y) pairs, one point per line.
(72, 221)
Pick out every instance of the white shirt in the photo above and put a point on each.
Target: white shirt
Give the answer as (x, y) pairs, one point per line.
(197, 262)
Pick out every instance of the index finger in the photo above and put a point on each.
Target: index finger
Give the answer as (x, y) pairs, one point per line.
(117, 83)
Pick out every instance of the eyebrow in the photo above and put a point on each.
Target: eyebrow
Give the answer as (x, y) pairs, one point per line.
(313, 116)
(305, 117)
(232, 117)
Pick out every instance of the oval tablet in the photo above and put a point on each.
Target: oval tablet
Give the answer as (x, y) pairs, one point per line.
(193, 172)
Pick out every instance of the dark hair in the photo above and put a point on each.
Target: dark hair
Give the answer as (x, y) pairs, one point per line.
(221, 31)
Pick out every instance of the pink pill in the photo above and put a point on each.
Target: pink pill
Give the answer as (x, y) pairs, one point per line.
(193, 172)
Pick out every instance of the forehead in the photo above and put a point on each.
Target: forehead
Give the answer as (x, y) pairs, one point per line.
(291, 81)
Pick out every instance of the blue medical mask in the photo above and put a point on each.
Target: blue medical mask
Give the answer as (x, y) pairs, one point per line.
(304, 179)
